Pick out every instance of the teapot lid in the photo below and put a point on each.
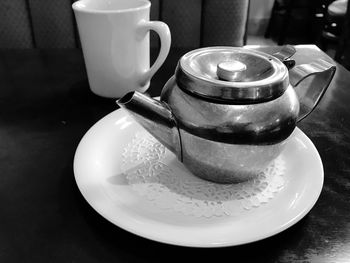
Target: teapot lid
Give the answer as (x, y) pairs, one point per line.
(232, 74)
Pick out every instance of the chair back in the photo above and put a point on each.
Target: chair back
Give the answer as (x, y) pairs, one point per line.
(193, 23)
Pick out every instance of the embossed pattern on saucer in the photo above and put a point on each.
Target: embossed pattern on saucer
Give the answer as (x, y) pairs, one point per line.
(152, 172)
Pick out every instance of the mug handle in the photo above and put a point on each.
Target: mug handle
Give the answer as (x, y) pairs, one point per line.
(163, 31)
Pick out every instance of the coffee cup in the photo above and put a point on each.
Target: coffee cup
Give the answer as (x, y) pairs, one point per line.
(114, 36)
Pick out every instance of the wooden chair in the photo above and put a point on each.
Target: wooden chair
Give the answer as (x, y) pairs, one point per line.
(342, 54)
(333, 23)
(285, 12)
(193, 23)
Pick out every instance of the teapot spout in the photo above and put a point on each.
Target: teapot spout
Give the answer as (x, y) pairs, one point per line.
(156, 117)
(310, 82)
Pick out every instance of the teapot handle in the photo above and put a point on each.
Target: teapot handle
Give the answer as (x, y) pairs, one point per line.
(310, 82)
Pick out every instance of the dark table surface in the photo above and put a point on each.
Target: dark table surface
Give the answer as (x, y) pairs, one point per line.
(46, 108)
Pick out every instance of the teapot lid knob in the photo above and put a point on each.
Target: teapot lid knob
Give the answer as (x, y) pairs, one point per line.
(231, 70)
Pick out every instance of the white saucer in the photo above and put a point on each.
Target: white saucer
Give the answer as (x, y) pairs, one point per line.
(97, 169)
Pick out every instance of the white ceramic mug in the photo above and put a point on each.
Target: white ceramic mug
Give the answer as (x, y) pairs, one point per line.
(115, 41)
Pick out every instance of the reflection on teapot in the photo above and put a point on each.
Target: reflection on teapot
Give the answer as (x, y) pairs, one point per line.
(228, 112)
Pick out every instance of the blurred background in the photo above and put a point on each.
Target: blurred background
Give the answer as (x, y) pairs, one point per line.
(45, 24)
(321, 22)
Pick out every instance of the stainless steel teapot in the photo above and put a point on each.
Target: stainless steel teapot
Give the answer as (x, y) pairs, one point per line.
(228, 112)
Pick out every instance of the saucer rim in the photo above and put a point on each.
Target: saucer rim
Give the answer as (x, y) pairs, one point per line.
(154, 235)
